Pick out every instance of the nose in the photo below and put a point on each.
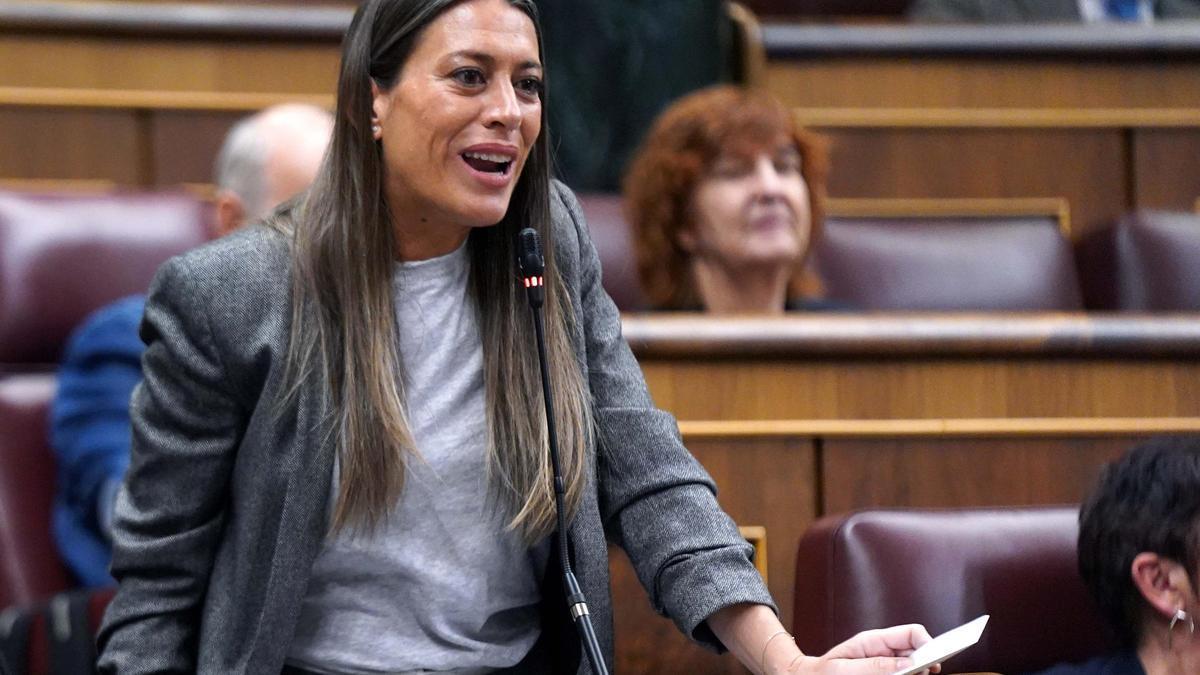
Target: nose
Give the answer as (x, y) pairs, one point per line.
(768, 184)
(503, 107)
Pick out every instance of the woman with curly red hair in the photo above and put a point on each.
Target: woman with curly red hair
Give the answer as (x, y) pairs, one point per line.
(726, 196)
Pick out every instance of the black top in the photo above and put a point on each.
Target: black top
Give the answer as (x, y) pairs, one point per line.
(1120, 663)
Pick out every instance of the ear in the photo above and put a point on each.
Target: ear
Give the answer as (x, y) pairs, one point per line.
(231, 212)
(380, 103)
(1162, 582)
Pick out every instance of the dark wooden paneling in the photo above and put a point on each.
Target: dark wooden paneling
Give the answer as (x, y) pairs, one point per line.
(761, 481)
(47, 143)
(1086, 166)
(956, 472)
(1066, 80)
(904, 388)
(185, 144)
(1167, 165)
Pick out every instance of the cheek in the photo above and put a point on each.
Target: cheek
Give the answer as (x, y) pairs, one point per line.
(725, 208)
(531, 126)
(797, 193)
(715, 215)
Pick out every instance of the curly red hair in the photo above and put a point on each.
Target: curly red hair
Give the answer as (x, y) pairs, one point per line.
(679, 151)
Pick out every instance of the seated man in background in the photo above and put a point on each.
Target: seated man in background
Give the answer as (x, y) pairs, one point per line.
(1049, 11)
(1139, 555)
(725, 197)
(266, 159)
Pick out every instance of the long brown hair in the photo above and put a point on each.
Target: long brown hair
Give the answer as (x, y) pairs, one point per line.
(344, 321)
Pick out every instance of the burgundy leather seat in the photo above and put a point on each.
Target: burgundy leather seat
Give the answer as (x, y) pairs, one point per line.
(942, 568)
(63, 256)
(992, 263)
(613, 238)
(30, 567)
(1147, 261)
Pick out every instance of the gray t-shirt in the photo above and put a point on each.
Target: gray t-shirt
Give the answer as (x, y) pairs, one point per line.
(442, 586)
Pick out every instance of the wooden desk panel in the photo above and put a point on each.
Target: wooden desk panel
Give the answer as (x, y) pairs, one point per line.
(923, 388)
(1087, 167)
(47, 143)
(767, 481)
(185, 144)
(935, 80)
(1166, 168)
(960, 472)
(172, 65)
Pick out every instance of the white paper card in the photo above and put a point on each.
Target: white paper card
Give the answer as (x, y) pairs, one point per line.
(945, 645)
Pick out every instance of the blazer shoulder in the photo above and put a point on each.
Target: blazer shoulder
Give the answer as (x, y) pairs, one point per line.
(570, 227)
(250, 266)
(255, 248)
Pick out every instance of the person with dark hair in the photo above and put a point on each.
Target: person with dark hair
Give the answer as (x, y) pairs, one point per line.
(726, 198)
(340, 455)
(1139, 555)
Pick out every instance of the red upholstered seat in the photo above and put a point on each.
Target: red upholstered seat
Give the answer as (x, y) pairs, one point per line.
(942, 568)
(30, 567)
(1147, 261)
(63, 256)
(979, 263)
(613, 238)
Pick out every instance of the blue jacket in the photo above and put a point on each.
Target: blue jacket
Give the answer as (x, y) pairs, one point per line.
(89, 430)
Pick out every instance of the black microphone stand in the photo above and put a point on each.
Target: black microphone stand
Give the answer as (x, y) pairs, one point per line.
(529, 257)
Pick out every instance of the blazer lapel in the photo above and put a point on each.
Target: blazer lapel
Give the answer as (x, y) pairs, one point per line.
(307, 453)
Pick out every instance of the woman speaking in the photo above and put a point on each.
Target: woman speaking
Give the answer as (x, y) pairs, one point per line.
(339, 446)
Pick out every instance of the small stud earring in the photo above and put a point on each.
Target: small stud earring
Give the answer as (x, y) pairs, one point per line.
(375, 129)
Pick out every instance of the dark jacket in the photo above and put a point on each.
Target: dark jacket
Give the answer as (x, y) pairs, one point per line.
(225, 504)
(1120, 663)
(613, 66)
(1018, 11)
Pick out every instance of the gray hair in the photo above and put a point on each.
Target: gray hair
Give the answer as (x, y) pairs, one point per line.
(263, 145)
(241, 166)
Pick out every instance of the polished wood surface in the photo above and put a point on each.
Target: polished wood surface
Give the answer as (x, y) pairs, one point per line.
(913, 409)
(969, 335)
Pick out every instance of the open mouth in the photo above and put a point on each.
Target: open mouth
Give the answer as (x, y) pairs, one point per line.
(487, 162)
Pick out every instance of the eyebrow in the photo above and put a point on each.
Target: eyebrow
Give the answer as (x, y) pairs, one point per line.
(490, 60)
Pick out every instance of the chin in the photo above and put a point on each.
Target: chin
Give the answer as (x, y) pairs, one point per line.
(779, 252)
(484, 213)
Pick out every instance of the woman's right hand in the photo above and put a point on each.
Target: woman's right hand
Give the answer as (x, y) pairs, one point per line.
(874, 652)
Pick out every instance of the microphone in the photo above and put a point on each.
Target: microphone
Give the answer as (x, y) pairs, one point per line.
(533, 269)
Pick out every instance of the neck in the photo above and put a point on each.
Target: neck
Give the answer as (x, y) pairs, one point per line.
(1158, 660)
(760, 289)
(420, 238)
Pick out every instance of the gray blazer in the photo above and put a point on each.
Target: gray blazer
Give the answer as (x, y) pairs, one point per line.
(225, 505)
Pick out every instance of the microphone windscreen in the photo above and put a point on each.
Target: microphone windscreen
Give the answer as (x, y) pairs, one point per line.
(529, 253)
